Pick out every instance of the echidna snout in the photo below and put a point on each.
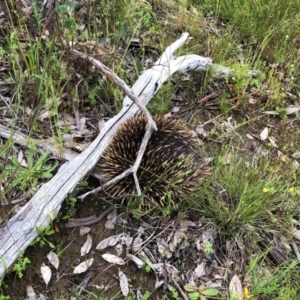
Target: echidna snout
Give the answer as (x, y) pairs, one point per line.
(170, 166)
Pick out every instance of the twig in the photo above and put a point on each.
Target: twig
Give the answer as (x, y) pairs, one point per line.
(208, 97)
(183, 294)
(89, 220)
(24, 140)
(202, 101)
(150, 126)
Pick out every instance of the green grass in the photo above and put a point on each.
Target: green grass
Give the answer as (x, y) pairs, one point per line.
(247, 201)
(239, 194)
(2, 296)
(278, 283)
(267, 28)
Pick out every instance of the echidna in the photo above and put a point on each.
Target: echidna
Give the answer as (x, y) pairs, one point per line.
(170, 167)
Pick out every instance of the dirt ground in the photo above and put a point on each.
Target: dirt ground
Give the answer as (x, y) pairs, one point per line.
(102, 277)
(64, 284)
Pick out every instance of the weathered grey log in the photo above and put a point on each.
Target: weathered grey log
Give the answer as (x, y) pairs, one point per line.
(43, 146)
(20, 230)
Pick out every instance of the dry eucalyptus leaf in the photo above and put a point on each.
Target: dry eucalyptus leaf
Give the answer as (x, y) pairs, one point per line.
(81, 124)
(295, 164)
(109, 242)
(141, 229)
(172, 247)
(227, 158)
(109, 224)
(296, 234)
(292, 110)
(77, 119)
(68, 119)
(179, 236)
(101, 124)
(80, 147)
(137, 243)
(200, 270)
(85, 249)
(31, 295)
(163, 248)
(201, 131)
(44, 115)
(235, 288)
(160, 268)
(127, 240)
(124, 283)
(190, 288)
(296, 154)
(264, 134)
(271, 112)
(82, 267)
(46, 273)
(187, 223)
(139, 263)
(53, 259)
(176, 109)
(27, 109)
(282, 156)
(21, 159)
(113, 259)
(119, 249)
(272, 141)
(84, 230)
(252, 101)
(249, 136)
(158, 283)
(145, 259)
(110, 220)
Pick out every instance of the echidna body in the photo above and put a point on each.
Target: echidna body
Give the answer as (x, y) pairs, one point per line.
(170, 167)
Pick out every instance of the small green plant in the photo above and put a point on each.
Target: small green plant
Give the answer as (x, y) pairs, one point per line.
(200, 292)
(73, 202)
(71, 209)
(42, 234)
(146, 295)
(147, 269)
(31, 174)
(20, 266)
(2, 296)
(208, 247)
(174, 294)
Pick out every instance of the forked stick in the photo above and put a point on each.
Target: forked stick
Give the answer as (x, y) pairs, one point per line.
(150, 126)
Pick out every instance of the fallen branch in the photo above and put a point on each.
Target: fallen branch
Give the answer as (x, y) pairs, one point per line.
(24, 140)
(20, 230)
